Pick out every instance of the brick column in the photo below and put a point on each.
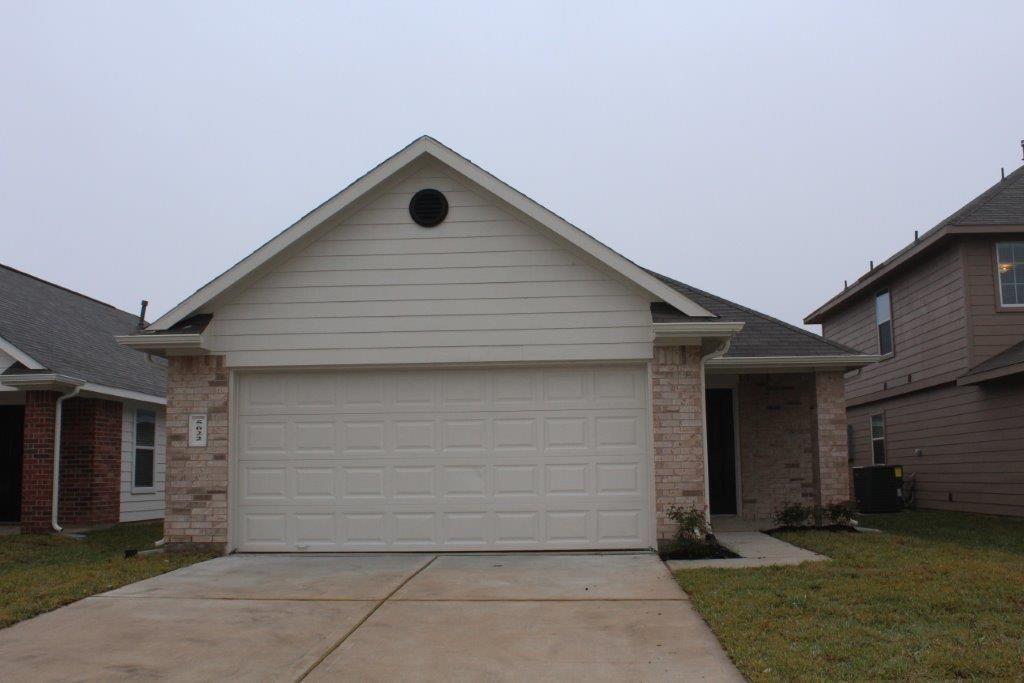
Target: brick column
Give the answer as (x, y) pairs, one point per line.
(90, 462)
(37, 461)
(677, 408)
(831, 459)
(196, 488)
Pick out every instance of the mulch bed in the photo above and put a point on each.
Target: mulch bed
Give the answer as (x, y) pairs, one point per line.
(708, 550)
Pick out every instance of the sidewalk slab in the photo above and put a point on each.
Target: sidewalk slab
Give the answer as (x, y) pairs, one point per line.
(755, 549)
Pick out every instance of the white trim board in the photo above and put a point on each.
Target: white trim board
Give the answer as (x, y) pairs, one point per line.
(19, 355)
(420, 148)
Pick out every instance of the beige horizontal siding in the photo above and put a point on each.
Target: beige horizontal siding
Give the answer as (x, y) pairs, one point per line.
(136, 506)
(484, 286)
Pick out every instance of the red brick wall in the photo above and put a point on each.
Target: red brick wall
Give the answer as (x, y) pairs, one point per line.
(677, 412)
(90, 462)
(196, 488)
(37, 461)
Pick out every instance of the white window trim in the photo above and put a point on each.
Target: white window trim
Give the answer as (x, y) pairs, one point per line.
(999, 281)
(885, 430)
(135, 448)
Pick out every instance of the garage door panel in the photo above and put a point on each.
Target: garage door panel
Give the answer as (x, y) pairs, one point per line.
(442, 529)
(410, 391)
(511, 458)
(338, 483)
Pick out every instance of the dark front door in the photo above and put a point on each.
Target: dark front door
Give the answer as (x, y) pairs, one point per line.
(721, 452)
(12, 420)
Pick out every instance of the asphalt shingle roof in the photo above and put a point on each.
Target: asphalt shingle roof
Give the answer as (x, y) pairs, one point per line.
(762, 335)
(73, 335)
(1011, 356)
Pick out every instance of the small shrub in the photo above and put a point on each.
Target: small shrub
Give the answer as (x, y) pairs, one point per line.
(794, 514)
(693, 524)
(841, 513)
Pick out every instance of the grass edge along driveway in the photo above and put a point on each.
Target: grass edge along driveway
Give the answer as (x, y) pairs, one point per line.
(939, 595)
(39, 573)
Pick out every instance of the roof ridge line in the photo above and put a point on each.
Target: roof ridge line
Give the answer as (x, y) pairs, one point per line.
(62, 287)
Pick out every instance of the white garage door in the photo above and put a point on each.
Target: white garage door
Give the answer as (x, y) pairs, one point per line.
(446, 459)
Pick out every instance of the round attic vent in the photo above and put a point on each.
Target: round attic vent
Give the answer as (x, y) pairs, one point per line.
(428, 208)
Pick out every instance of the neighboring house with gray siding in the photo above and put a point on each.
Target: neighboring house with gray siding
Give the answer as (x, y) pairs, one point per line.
(432, 361)
(57, 343)
(947, 314)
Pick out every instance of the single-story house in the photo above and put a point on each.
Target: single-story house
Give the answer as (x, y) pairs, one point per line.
(76, 408)
(431, 360)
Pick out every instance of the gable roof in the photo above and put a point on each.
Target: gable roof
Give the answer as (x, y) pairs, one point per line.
(55, 329)
(423, 147)
(1000, 206)
(762, 335)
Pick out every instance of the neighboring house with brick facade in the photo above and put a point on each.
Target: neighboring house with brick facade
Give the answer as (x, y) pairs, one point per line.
(431, 360)
(946, 313)
(58, 356)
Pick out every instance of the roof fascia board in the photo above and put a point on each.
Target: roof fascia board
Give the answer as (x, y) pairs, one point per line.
(682, 333)
(367, 183)
(980, 377)
(42, 381)
(116, 392)
(152, 343)
(790, 363)
(19, 355)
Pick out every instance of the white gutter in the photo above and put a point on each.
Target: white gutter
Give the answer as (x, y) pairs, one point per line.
(56, 456)
(153, 343)
(718, 352)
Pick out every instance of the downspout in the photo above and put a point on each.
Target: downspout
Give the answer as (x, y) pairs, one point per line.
(56, 457)
(718, 352)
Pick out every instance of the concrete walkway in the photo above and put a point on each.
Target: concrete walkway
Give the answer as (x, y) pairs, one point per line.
(755, 549)
(542, 616)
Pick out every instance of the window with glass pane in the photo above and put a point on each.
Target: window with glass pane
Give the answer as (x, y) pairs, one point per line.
(883, 317)
(1010, 257)
(878, 439)
(145, 447)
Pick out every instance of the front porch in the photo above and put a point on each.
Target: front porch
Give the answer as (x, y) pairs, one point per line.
(768, 438)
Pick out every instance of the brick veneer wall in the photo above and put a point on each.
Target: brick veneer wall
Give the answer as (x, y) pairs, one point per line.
(792, 441)
(196, 488)
(37, 461)
(776, 442)
(678, 417)
(833, 465)
(90, 462)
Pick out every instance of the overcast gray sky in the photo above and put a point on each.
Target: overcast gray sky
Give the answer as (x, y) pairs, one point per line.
(764, 151)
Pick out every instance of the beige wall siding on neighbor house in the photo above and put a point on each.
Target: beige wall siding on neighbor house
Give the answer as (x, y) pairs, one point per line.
(483, 286)
(140, 504)
(971, 441)
(993, 328)
(929, 335)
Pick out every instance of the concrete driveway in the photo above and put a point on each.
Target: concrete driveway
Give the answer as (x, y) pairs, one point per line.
(379, 617)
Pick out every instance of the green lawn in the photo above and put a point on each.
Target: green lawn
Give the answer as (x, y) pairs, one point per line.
(939, 595)
(39, 573)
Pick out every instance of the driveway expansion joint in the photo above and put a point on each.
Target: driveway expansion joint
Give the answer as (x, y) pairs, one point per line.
(362, 621)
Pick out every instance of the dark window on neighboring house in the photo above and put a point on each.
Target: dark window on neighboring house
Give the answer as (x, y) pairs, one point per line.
(1010, 259)
(850, 450)
(145, 447)
(878, 439)
(883, 317)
